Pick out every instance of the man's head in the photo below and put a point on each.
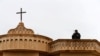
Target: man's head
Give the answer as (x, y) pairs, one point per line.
(76, 31)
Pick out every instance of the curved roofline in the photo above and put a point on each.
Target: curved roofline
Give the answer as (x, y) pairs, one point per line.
(31, 35)
(74, 40)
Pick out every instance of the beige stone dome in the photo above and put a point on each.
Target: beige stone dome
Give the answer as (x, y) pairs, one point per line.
(20, 29)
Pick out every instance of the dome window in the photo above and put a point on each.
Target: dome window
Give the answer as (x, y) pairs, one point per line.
(39, 41)
(7, 40)
(3, 40)
(30, 39)
(25, 39)
(35, 40)
(42, 41)
(21, 39)
(11, 39)
(16, 39)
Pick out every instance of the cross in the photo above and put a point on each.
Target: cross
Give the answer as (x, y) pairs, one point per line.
(21, 12)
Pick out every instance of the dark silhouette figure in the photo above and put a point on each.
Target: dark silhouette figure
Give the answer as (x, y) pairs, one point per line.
(76, 35)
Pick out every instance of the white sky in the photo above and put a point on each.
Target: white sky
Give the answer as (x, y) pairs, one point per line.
(53, 18)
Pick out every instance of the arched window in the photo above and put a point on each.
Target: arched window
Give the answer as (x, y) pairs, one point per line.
(46, 42)
(3, 40)
(0, 41)
(30, 39)
(21, 39)
(16, 39)
(11, 39)
(34, 40)
(39, 41)
(25, 39)
(42, 41)
(7, 40)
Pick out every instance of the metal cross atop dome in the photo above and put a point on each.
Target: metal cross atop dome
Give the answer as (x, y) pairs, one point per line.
(21, 12)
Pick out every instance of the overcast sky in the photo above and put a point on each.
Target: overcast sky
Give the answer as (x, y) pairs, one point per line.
(53, 18)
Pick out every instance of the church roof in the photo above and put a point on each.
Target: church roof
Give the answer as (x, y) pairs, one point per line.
(21, 29)
(75, 40)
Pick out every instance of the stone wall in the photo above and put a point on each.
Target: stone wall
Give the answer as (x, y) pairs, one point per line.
(24, 42)
(75, 45)
(76, 54)
(20, 54)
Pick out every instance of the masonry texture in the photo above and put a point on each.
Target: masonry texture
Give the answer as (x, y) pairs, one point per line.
(22, 41)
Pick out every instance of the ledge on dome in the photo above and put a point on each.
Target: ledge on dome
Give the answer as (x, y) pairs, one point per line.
(42, 36)
(76, 40)
(21, 30)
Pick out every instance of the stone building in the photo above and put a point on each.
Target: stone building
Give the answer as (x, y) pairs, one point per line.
(22, 41)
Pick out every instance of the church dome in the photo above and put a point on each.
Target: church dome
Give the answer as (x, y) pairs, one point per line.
(20, 29)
